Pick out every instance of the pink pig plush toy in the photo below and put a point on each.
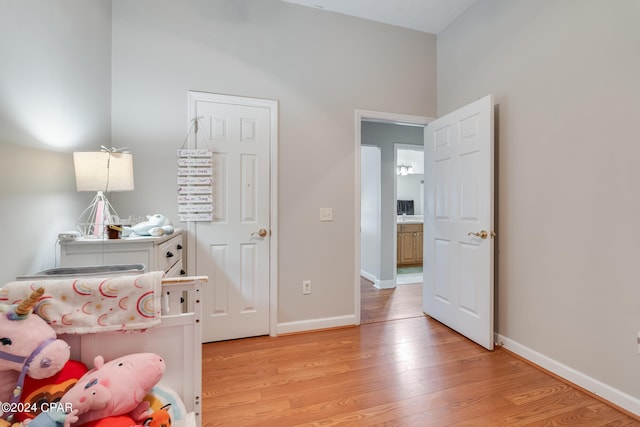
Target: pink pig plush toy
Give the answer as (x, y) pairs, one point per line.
(115, 388)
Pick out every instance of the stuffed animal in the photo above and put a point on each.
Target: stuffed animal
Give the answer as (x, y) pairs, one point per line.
(28, 346)
(55, 417)
(46, 392)
(117, 421)
(159, 418)
(116, 388)
(155, 225)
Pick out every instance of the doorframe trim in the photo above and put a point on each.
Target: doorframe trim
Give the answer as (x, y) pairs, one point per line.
(371, 116)
(272, 105)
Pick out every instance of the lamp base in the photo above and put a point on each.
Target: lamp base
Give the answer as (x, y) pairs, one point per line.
(96, 216)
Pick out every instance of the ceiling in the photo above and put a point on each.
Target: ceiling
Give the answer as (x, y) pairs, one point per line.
(429, 16)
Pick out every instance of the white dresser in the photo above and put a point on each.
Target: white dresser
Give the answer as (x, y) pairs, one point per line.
(157, 253)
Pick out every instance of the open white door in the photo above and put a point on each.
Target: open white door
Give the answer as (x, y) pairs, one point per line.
(459, 221)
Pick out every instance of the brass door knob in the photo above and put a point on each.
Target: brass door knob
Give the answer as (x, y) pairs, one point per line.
(262, 233)
(481, 234)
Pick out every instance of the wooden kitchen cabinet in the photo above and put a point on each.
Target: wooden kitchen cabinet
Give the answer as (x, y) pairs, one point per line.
(162, 253)
(410, 244)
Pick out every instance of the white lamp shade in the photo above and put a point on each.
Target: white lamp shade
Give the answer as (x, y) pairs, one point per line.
(103, 171)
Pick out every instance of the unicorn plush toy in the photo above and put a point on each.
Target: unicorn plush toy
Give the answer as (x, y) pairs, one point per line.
(28, 346)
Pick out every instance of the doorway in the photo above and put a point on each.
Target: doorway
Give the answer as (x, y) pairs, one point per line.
(459, 219)
(388, 214)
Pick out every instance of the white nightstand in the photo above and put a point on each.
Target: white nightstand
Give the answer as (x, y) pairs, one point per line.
(157, 253)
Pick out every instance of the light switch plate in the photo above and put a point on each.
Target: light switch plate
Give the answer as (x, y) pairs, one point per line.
(326, 214)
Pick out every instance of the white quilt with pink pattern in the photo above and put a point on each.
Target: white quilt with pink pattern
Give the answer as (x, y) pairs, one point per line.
(93, 304)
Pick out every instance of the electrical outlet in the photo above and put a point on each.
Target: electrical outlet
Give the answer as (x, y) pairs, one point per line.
(306, 287)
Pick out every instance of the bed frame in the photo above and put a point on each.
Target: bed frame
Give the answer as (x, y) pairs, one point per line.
(178, 339)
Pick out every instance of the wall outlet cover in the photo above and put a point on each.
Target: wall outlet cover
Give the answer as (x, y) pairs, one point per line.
(326, 214)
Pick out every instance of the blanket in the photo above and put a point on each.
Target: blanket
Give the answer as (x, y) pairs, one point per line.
(92, 304)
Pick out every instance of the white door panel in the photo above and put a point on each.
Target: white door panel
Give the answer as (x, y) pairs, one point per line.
(458, 278)
(229, 249)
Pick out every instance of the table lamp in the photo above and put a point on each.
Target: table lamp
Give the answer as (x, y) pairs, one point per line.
(103, 172)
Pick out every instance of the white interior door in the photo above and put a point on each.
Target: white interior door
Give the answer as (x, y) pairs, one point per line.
(233, 250)
(459, 170)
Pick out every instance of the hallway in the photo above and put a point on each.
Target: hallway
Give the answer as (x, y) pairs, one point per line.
(380, 305)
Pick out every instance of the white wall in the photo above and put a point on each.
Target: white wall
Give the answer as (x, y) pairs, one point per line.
(55, 97)
(370, 159)
(565, 75)
(320, 66)
(122, 70)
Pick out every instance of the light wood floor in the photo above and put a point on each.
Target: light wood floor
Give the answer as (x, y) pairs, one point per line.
(380, 305)
(411, 371)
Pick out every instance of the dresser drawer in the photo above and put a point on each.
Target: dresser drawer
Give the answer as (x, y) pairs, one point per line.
(169, 253)
(176, 270)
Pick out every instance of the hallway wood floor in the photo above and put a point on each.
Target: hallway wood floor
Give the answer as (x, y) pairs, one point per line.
(380, 305)
(409, 372)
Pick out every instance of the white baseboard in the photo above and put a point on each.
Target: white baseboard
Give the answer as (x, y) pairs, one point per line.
(380, 284)
(615, 396)
(313, 324)
(370, 277)
(385, 284)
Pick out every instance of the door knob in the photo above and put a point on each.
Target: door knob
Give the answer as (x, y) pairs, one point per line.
(262, 233)
(481, 234)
